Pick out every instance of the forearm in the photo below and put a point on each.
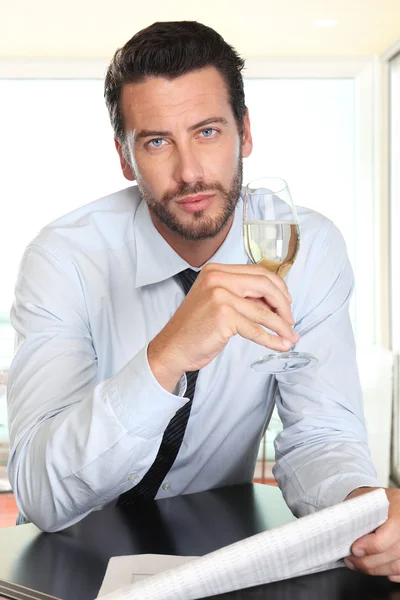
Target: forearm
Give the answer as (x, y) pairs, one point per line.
(88, 453)
(359, 491)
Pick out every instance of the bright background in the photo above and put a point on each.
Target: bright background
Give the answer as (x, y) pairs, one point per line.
(323, 117)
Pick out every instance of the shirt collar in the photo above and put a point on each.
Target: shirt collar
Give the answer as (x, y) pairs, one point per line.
(155, 259)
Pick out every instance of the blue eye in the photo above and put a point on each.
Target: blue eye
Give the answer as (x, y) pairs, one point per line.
(208, 132)
(156, 143)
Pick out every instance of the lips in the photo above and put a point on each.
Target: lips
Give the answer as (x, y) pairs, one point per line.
(196, 202)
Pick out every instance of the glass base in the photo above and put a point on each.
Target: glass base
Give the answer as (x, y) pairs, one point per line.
(284, 362)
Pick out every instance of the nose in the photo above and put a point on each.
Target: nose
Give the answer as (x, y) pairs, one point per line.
(188, 168)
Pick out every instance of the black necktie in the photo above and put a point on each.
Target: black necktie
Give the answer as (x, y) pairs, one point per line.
(148, 487)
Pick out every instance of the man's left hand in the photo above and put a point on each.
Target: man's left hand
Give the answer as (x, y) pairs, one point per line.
(378, 553)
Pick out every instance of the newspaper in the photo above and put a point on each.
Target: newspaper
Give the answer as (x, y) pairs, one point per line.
(313, 543)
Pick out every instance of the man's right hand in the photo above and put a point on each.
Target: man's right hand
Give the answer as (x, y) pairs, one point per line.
(224, 301)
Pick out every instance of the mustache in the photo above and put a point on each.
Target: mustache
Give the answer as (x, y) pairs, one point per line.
(190, 190)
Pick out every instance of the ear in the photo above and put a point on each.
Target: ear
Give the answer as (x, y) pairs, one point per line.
(247, 142)
(127, 170)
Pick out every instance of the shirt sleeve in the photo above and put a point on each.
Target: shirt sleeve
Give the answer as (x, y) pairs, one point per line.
(322, 452)
(76, 442)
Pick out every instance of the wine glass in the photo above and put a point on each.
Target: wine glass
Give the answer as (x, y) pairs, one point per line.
(272, 240)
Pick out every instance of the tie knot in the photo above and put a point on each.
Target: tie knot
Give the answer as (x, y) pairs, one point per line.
(187, 278)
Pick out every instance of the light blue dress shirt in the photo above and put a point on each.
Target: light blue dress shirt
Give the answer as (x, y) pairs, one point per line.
(86, 414)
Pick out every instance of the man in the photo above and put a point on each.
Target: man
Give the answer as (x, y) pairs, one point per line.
(122, 388)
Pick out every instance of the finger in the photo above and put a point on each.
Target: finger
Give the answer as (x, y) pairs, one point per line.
(250, 270)
(251, 331)
(251, 286)
(370, 562)
(380, 541)
(389, 569)
(258, 312)
(256, 286)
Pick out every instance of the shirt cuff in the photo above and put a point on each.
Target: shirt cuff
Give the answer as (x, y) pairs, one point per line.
(342, 488)
(140, 403)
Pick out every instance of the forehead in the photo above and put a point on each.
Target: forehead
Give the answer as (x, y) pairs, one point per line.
(159, 101)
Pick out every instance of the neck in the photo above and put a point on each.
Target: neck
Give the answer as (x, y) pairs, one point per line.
(194, 252)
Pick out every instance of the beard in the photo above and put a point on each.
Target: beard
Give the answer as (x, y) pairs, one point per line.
(201, 226)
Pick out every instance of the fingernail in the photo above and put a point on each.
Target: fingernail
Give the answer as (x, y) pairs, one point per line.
(359, 552)
(286, 344)
(349, 564)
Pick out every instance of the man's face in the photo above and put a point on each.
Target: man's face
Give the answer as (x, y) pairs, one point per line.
(185, 151)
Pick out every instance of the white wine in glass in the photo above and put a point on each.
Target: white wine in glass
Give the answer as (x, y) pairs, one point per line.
(272, 240)
(273, 245)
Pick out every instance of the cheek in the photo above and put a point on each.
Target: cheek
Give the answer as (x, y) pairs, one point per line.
(152, 174)
(223, 163)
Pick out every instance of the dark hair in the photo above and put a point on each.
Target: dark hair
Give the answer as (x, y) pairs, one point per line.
(171, 49)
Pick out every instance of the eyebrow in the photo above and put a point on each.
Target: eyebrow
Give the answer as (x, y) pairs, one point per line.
(156, 133)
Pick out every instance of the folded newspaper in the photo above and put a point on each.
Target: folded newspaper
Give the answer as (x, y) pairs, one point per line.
(310, 544)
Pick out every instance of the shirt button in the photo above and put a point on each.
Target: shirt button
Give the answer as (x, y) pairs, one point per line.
(132, 477)
(166, 486)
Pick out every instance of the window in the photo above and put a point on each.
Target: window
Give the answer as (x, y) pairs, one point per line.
(65, 158)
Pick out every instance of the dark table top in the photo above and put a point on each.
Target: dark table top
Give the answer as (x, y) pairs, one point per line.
(71, 564)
